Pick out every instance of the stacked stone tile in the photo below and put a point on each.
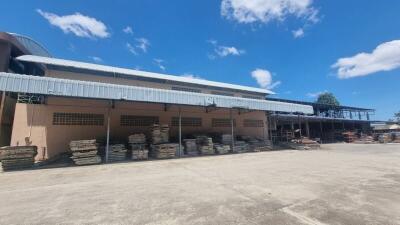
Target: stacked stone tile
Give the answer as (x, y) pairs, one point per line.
(84, 152)
(117, 152)
(164, 151)
(138, 147)
(17, 157)
(241, 146)
(205, 145)
(226, 139)
(159, 134)
(222, 149)
(396, 137)
(190, 147)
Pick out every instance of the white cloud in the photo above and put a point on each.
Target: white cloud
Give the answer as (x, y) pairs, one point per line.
(142, 43)
(96, 59)
(131, 48)
(159, 63)
(78, 24)
(128, 30)
(223, 51)
(264, 11)
(264, 78)
(316, 94)
(385, 57)
(299, 33)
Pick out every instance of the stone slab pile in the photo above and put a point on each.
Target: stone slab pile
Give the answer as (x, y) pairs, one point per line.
(159, 134)
(205, 145)
(222, 149)
(17, 157)
(190, 147)
(164, 151)
(138, 146)
(84, 152)
(117, 152)
(226, 139)
(241, 146)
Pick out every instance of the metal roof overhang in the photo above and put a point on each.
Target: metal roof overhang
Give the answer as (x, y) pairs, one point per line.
(11, 82)
(112, 71)
(289, 117)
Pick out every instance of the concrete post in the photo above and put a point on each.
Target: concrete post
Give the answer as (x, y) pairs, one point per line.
(180, 132)
(232, 131)
(108, 136)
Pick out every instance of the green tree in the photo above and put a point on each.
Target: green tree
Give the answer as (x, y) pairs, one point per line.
(397, 116)
(327, 98)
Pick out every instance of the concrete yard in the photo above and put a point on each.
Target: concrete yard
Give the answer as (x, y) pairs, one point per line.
(339, 184)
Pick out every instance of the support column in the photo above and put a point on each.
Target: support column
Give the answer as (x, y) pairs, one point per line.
(232, 133)
(180, 131)
(307, 129)
(108, 136)
(300, 126)
(320, 130)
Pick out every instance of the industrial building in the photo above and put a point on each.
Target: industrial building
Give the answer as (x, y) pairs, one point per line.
(47, 102)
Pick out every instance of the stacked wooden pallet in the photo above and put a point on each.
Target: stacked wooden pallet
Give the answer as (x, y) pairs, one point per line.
(365, 139)
(138, 147)
(160, 134)
(222, 149)
(190, 147)
(384, 138)
(304, 143)
(164, 151)
(241, 146)
(117, 152)
(84, 152)
(17, 157)
(205, 145)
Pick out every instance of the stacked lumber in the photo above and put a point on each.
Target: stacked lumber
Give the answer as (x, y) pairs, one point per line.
(304, 143)
(84, 152)
(138, 147)
(226, 139)
(349, 136)
(164, 151)
(17, 157)
(117, 152)
(384, 138)
(365, 139)
(396, 137)
(222, 149)
(190, 147)
(241, 146)
(160, 134)
(257, 144)
(205, 145)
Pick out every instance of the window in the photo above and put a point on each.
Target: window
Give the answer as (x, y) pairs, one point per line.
(83, 119)
(187, 121)
(221, 93)
(253, 123)
(220, 122)
(138, 121)
(185, 89)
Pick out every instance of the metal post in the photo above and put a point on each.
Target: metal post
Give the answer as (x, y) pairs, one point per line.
(300, 127)
(232, 141)
(320, 129)
(108, 135)
(180, 132)
(307, 129)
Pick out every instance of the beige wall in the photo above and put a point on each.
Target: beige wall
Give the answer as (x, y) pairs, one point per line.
(35, 122)
(131, 82)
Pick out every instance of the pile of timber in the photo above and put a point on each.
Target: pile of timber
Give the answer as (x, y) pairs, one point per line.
(384, 138)
(138, 146)
(226, 139)
(257, 144)
(365, 139)
(84, 152)
(396, 137)
(304, 143)
(117, 152)
(222, 149)
(241, 146)
(190, 147)
(205, 145)
(164, 151)
(17, 157)
(160, 134)
(349, 136)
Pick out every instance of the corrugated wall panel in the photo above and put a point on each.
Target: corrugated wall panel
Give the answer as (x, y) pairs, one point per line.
(74, 88)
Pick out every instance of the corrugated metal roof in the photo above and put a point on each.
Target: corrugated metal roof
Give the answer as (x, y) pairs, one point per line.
(137, 73)
(73, 88)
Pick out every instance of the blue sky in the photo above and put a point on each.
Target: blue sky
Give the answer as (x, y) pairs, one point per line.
(296, 47)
